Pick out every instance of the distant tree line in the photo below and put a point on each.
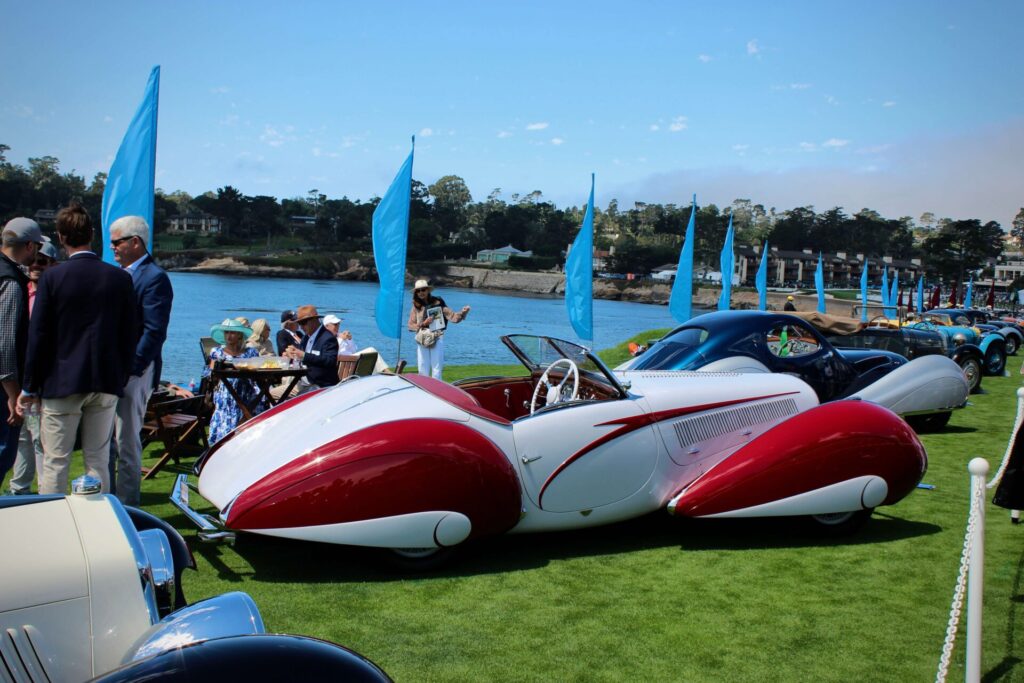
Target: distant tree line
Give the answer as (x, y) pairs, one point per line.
(445, 222)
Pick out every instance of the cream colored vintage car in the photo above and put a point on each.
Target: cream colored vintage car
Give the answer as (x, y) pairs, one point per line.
(92, 588)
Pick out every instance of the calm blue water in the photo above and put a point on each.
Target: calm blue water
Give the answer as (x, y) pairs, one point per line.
(202, 300)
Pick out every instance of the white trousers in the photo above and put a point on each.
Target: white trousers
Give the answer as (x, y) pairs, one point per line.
(128, 419)
(430, 360)
(58, 427)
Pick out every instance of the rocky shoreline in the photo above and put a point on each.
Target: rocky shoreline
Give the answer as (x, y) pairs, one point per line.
(542, 283)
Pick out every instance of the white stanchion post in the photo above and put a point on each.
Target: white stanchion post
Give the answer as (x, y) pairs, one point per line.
(976, 574)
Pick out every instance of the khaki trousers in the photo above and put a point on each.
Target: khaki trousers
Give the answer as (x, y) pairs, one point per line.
(59, 425)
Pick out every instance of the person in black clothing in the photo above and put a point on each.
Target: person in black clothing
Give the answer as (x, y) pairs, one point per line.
(21, 241)
(789, 304)
(81, 346)
(289, 334)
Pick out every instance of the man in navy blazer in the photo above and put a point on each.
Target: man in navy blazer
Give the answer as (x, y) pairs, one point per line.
(81, 341)
(319, 351)
(154, 295)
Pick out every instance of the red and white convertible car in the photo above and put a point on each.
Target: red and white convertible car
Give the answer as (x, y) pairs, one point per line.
(416, 465)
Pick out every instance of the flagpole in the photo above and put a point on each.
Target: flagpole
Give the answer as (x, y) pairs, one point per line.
(401, 299)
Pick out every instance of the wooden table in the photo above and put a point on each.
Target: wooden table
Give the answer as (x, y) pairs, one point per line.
(263, 378)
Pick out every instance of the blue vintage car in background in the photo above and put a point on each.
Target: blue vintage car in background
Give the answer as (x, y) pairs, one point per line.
(959, 331)
(924, 391)
(1011, 332)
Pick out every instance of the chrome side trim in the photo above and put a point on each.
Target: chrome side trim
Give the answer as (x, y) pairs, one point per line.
(693, 430)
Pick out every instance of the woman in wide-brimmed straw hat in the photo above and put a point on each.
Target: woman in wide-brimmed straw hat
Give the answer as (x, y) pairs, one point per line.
(226, 413)
(428, 319)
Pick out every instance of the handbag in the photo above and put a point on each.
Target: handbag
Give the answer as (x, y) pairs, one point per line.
(427, 338)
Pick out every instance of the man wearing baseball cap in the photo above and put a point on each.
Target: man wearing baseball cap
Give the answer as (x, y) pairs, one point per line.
(20, 243)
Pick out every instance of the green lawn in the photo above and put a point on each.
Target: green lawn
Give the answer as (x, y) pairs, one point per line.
(659, 599)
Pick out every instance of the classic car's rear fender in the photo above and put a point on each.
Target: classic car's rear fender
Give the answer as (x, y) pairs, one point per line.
(388, 470)
(742, 364)
(924, 385)
(846, 445)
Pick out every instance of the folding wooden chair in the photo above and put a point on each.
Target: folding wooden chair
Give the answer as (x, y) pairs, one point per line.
(180, 426)
(346, 366)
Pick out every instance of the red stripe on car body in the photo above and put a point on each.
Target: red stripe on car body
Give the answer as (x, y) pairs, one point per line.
(634, 422)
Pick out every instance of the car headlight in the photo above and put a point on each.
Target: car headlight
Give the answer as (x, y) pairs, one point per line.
(959, 338)
(161, 566)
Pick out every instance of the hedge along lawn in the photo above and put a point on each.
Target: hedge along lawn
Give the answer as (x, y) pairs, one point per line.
(659, 598)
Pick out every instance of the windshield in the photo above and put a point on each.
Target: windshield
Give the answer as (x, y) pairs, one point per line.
(677, 351)
(537, 353)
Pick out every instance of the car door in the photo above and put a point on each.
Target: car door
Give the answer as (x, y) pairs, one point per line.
(583, 455)
(795, 349)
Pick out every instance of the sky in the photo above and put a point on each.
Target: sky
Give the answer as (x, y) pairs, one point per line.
(902, 107)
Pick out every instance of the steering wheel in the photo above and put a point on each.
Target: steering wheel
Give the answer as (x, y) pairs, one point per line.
(554, 392)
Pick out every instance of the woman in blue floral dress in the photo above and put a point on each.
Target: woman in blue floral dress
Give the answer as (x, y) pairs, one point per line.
(226, 413)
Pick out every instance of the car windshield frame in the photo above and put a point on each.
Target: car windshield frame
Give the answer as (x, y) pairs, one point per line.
(537, 352)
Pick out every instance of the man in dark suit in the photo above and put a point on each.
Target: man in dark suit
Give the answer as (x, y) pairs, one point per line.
(319, 352)
(153, 294)
(81, 343)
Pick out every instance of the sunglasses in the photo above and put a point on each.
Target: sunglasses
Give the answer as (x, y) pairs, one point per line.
(116, 242)
(44, 261)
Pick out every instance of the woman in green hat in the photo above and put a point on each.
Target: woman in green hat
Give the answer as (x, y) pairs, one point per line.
(226, 413)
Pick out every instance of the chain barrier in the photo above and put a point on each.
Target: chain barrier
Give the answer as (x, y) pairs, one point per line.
(1009, 446)
(952, 626)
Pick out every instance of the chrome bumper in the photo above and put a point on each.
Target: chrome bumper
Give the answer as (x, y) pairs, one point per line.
(211, 530)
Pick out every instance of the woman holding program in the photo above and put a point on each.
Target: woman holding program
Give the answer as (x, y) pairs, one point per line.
(429, 318)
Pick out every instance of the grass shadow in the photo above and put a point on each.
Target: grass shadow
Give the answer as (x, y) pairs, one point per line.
(1005, 669)
(272, 559)
(958, 429)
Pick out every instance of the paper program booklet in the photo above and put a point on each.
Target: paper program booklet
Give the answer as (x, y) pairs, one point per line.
(436, 316)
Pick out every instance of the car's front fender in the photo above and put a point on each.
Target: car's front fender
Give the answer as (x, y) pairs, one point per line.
(966, 351)
(991, 339)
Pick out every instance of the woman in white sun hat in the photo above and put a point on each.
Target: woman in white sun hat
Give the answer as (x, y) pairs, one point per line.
(428, 319)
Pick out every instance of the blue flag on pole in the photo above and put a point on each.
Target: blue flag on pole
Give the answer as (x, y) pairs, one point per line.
(762, 280)
(892, 312)
(579, 275)
(969, 296)
(864, 292)
(885, 289)
(132, 177)
(819, 284)
(390, 235)
(680, 302)
(920, 294)
(725, 263)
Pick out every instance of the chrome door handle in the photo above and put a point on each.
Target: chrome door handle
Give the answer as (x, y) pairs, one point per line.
(527, 460)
